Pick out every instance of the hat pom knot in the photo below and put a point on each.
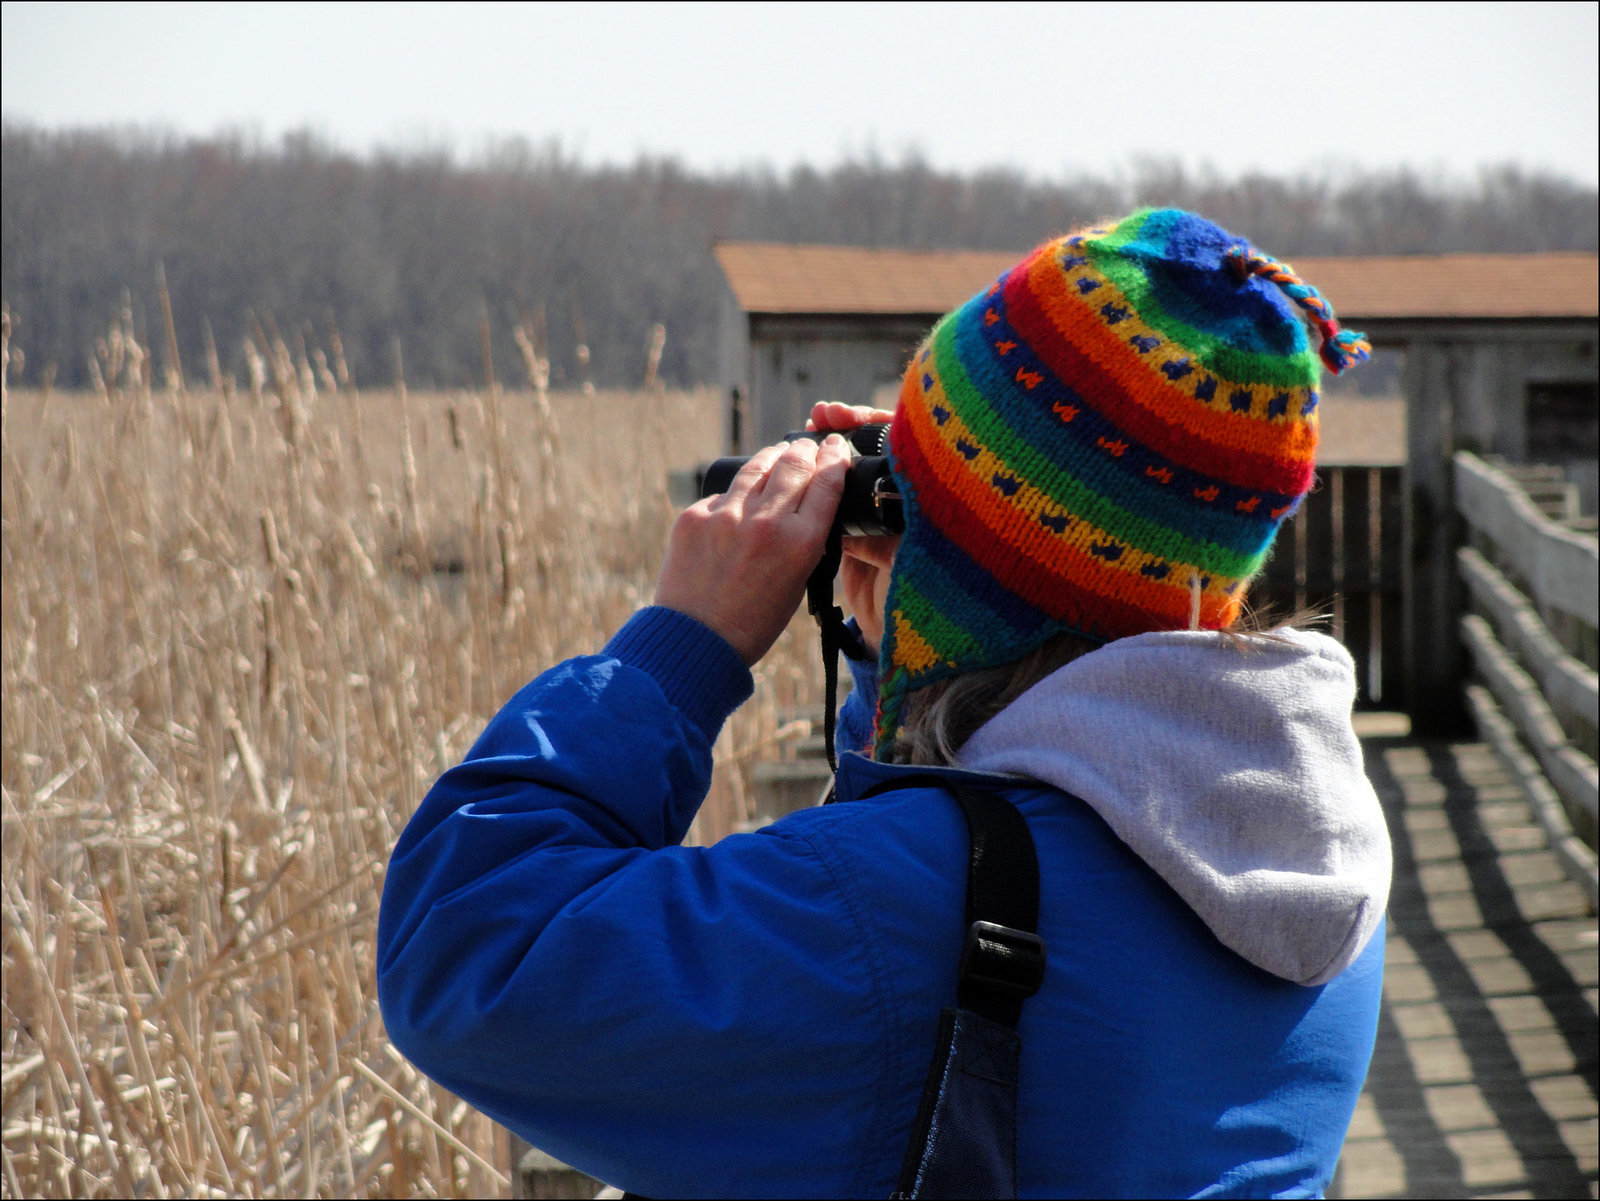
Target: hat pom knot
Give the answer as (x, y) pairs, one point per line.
(1344, 349)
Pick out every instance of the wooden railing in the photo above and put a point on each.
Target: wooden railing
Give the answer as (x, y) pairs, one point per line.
(1341, 555)
(1533, 604)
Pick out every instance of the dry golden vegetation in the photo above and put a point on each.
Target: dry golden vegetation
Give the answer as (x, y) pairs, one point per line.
(242, 633)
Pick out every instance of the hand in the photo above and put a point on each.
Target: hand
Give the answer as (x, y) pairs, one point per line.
(865, 570)
(738, 562)
(834, 415)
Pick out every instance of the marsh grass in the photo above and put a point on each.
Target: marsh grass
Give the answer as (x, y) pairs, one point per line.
(242, 632)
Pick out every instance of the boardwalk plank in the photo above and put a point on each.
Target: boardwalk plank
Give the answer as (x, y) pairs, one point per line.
(1483, 1080)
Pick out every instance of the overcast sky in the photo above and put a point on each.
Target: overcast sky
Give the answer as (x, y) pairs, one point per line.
(1050, 89)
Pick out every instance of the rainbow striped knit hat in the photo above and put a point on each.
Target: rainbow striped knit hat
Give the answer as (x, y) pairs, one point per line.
(1113, 430)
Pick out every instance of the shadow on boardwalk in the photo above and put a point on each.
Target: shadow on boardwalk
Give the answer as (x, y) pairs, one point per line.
(1484, 1079)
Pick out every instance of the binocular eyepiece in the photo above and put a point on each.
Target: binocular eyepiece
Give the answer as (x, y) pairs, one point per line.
(871, 501)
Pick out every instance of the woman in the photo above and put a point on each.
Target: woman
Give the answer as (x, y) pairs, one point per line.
(1093, 457)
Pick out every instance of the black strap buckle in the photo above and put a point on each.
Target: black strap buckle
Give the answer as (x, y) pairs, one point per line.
(999, 957)
(887, 500)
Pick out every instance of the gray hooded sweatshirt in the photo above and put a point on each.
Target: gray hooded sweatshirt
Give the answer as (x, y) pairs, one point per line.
(1234, 773)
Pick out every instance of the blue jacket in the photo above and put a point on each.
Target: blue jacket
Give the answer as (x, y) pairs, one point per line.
(756, 1018)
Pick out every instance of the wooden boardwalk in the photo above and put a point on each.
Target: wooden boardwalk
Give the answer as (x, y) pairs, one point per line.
(1484, 1079)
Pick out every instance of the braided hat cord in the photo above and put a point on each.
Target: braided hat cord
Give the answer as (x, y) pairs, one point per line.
(1341, 348)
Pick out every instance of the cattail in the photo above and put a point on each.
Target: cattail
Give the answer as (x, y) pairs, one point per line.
(582, 352)
(307, 378)
(258, 371)
(97, 379)
(5, 356)
(174, 372)
(325, 377)
(341, 369)
(213, 361)
(657, 343)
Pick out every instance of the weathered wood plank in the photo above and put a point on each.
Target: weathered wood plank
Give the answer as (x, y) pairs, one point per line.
(1477, 1082)
(1561, 567)
(1566, 682)
(1579, 861)
(1575, 776)
(537, 1175)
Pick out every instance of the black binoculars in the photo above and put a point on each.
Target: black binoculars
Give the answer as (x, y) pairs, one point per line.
(871, 502)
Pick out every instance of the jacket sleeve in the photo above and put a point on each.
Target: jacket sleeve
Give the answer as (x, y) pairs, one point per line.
(547, 952)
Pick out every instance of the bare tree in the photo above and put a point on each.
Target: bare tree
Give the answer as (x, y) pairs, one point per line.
(417, 245)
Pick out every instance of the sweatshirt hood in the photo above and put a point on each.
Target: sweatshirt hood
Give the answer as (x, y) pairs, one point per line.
(1232, 771)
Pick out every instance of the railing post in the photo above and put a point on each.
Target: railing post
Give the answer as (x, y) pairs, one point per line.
(1434, 668)
(535, 1174)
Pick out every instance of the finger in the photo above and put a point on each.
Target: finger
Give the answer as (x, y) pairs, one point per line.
(836, 415)
(748, 478)
(870, 416)
(786, 483)
(821, 499)
(833, 415)
(874, 549)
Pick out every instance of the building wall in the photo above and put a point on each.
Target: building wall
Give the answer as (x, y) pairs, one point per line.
(790, 363)
(1466, 387)
(794, 374)
(1475, 381)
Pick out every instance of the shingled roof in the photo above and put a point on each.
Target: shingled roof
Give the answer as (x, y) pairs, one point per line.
(770, 277)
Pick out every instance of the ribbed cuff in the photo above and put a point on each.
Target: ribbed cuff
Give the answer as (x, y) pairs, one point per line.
(863, 672)
(696, 668)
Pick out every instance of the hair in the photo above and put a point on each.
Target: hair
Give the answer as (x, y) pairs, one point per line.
(944, 715)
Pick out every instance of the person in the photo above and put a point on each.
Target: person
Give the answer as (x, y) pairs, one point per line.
(1093, 457)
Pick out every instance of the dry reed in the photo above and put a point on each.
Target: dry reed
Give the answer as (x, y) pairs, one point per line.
(241, 634)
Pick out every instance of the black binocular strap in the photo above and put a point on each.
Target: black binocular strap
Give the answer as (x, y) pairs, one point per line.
(837, 637)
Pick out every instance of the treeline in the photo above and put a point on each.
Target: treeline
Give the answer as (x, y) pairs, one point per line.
(419, 249)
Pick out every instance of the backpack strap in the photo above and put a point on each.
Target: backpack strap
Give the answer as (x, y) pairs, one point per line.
(964, 1137)
(1003, 957)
